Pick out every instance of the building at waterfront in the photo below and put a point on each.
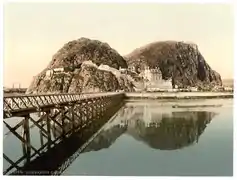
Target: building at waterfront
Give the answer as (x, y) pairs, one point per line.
(153, 80)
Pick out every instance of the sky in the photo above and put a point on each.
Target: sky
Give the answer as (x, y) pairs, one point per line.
(34, 32)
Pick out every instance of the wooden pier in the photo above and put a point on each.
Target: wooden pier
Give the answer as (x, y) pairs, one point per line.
(60, 116)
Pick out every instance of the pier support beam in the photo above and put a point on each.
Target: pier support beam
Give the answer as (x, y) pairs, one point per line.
(26, 136)
(48, 124)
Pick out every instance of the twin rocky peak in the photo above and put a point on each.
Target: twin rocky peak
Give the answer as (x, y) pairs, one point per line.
(86, 65)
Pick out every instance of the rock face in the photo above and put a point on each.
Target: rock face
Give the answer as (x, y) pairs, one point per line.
(73, 53)
(86, 65)
(179, 60)
(75, 68)
(88, 78)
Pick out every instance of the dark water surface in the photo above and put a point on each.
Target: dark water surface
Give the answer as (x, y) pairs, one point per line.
(156, 139)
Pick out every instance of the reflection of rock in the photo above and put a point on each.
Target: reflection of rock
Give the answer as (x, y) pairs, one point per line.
(166, 131)
(173, 132)
(106, 138)
(113, 131)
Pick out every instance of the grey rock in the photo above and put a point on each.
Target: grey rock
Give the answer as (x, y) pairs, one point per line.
(179, 60)
(73, 53)
(76, 78)
(86, 79)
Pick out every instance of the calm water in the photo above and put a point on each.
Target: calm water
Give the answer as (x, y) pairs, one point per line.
(154, 138)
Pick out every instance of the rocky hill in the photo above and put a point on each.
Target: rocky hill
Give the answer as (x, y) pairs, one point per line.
(70, 72)
(76, 68)
(75, 52)
(179, 60)
(87, 78)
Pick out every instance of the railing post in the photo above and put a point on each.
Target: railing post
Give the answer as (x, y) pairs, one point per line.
(73, 117)
(41, 134)
(48, 124)
(63, 121)
(26, 137)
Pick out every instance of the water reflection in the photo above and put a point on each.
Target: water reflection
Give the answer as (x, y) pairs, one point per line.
(157, 127)
(164, 130)
(178, 130)
(56, 159)
(141, 140)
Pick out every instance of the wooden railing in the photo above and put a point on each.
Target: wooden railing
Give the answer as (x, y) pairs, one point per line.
(15, 104)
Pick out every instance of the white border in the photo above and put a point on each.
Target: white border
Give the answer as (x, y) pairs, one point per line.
(127, 1)
(1, 80)
(122, 1)
(235, 90)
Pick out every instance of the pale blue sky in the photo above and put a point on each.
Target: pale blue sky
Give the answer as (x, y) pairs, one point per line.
(34, 32)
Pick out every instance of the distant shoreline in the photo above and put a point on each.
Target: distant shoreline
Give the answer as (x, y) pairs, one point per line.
(165, 95)
(179, 95)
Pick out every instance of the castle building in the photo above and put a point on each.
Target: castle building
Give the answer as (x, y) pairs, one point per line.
(154, 81)
(152, 74)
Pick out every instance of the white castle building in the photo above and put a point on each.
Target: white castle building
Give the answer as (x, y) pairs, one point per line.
(154, 81)
(152, 74)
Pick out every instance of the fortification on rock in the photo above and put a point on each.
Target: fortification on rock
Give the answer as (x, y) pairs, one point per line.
(86, 65)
